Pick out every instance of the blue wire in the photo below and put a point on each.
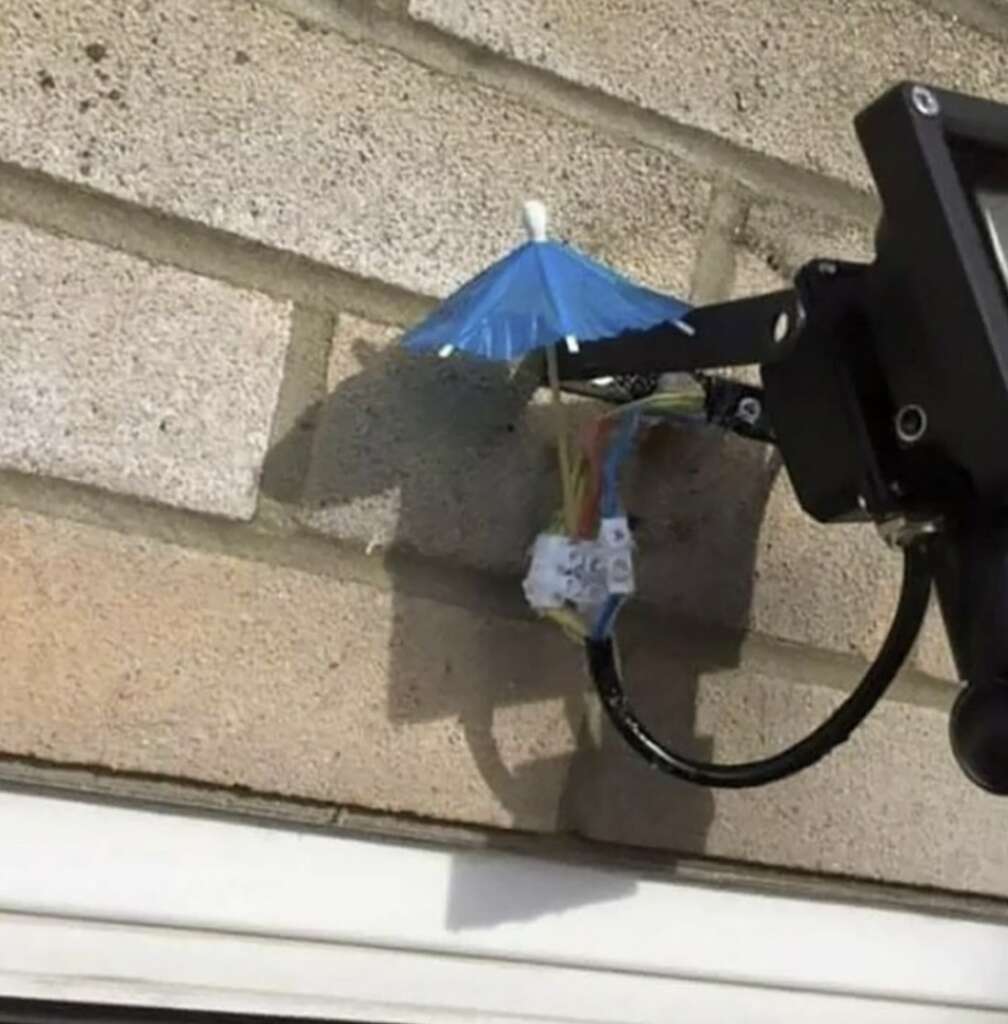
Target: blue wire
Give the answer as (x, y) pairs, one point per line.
(617, 453)
(607, 617)
(610, 505)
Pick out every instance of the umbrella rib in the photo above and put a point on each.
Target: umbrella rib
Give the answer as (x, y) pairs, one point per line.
(559, 308)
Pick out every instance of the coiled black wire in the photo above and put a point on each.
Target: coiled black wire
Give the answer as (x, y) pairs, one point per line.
(913, 601)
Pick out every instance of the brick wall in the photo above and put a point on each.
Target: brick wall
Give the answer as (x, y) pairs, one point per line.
(247, 546)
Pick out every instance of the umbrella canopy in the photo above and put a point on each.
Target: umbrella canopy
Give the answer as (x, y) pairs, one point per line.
(541, 293)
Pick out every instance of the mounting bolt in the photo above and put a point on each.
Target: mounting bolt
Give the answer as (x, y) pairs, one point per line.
(827, 267)
(911, 424)
(749, 410)
(925, 101)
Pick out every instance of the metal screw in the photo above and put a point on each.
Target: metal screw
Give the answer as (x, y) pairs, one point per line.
(862, 503)
(749, 410)
(911, 424)
(925, 101)
(781, 326)
(827, 267)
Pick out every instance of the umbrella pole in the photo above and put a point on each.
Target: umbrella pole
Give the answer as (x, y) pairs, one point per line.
(563, 455)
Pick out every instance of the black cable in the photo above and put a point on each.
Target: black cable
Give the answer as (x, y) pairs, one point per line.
(913, 602)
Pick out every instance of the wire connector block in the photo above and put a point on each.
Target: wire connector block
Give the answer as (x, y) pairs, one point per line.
(616, 543)
(582, 573)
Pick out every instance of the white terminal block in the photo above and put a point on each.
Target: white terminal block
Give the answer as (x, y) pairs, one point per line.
(553, 562)
(616, 543)
(583, 573)
(620, 573)
(565, 571)
(614, 532)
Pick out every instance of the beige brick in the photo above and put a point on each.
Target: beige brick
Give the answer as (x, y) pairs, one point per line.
(236, 115)
(755, 275)
(784, 77)
(451, 457)
(135, 377)
(889, 804)
(137, 655)
(788, 237)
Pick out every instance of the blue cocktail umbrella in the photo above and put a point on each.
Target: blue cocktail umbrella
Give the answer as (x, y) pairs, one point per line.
(540, 294)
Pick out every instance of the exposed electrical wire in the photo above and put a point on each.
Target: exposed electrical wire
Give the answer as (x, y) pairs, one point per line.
(603, 664)
(592, 486)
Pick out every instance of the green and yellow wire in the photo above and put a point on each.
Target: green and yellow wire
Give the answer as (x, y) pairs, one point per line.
(574, 486)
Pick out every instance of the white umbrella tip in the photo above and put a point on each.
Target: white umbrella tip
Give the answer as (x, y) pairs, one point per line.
(534, 215)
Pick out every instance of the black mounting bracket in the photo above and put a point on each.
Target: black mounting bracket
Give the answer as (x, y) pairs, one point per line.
(760, 329)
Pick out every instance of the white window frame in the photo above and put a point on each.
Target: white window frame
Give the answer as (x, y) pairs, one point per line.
(110, 904)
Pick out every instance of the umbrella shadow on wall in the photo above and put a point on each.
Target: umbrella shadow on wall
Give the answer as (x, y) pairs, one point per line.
(455, 459)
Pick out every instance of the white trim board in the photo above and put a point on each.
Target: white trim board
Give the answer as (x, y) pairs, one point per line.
(121, 905)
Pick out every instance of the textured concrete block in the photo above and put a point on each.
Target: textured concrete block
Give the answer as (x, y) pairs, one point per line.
(784, 78)
(137, 655)
(889, 804)
(240, 116)
(787, 237)
(135, 377)
(454, 457)
(300, 683)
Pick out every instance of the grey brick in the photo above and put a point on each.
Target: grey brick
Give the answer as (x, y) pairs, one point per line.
(784, 77)
(453, 457)
(230, 113)
(888, 804)
(134, 377)
(302, 684)
(167, 660)
(786, 237)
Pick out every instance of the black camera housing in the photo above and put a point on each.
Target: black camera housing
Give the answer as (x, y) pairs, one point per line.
(922, 332)
(939, 295)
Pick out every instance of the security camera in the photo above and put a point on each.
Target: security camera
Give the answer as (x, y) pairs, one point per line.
(885, 387)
